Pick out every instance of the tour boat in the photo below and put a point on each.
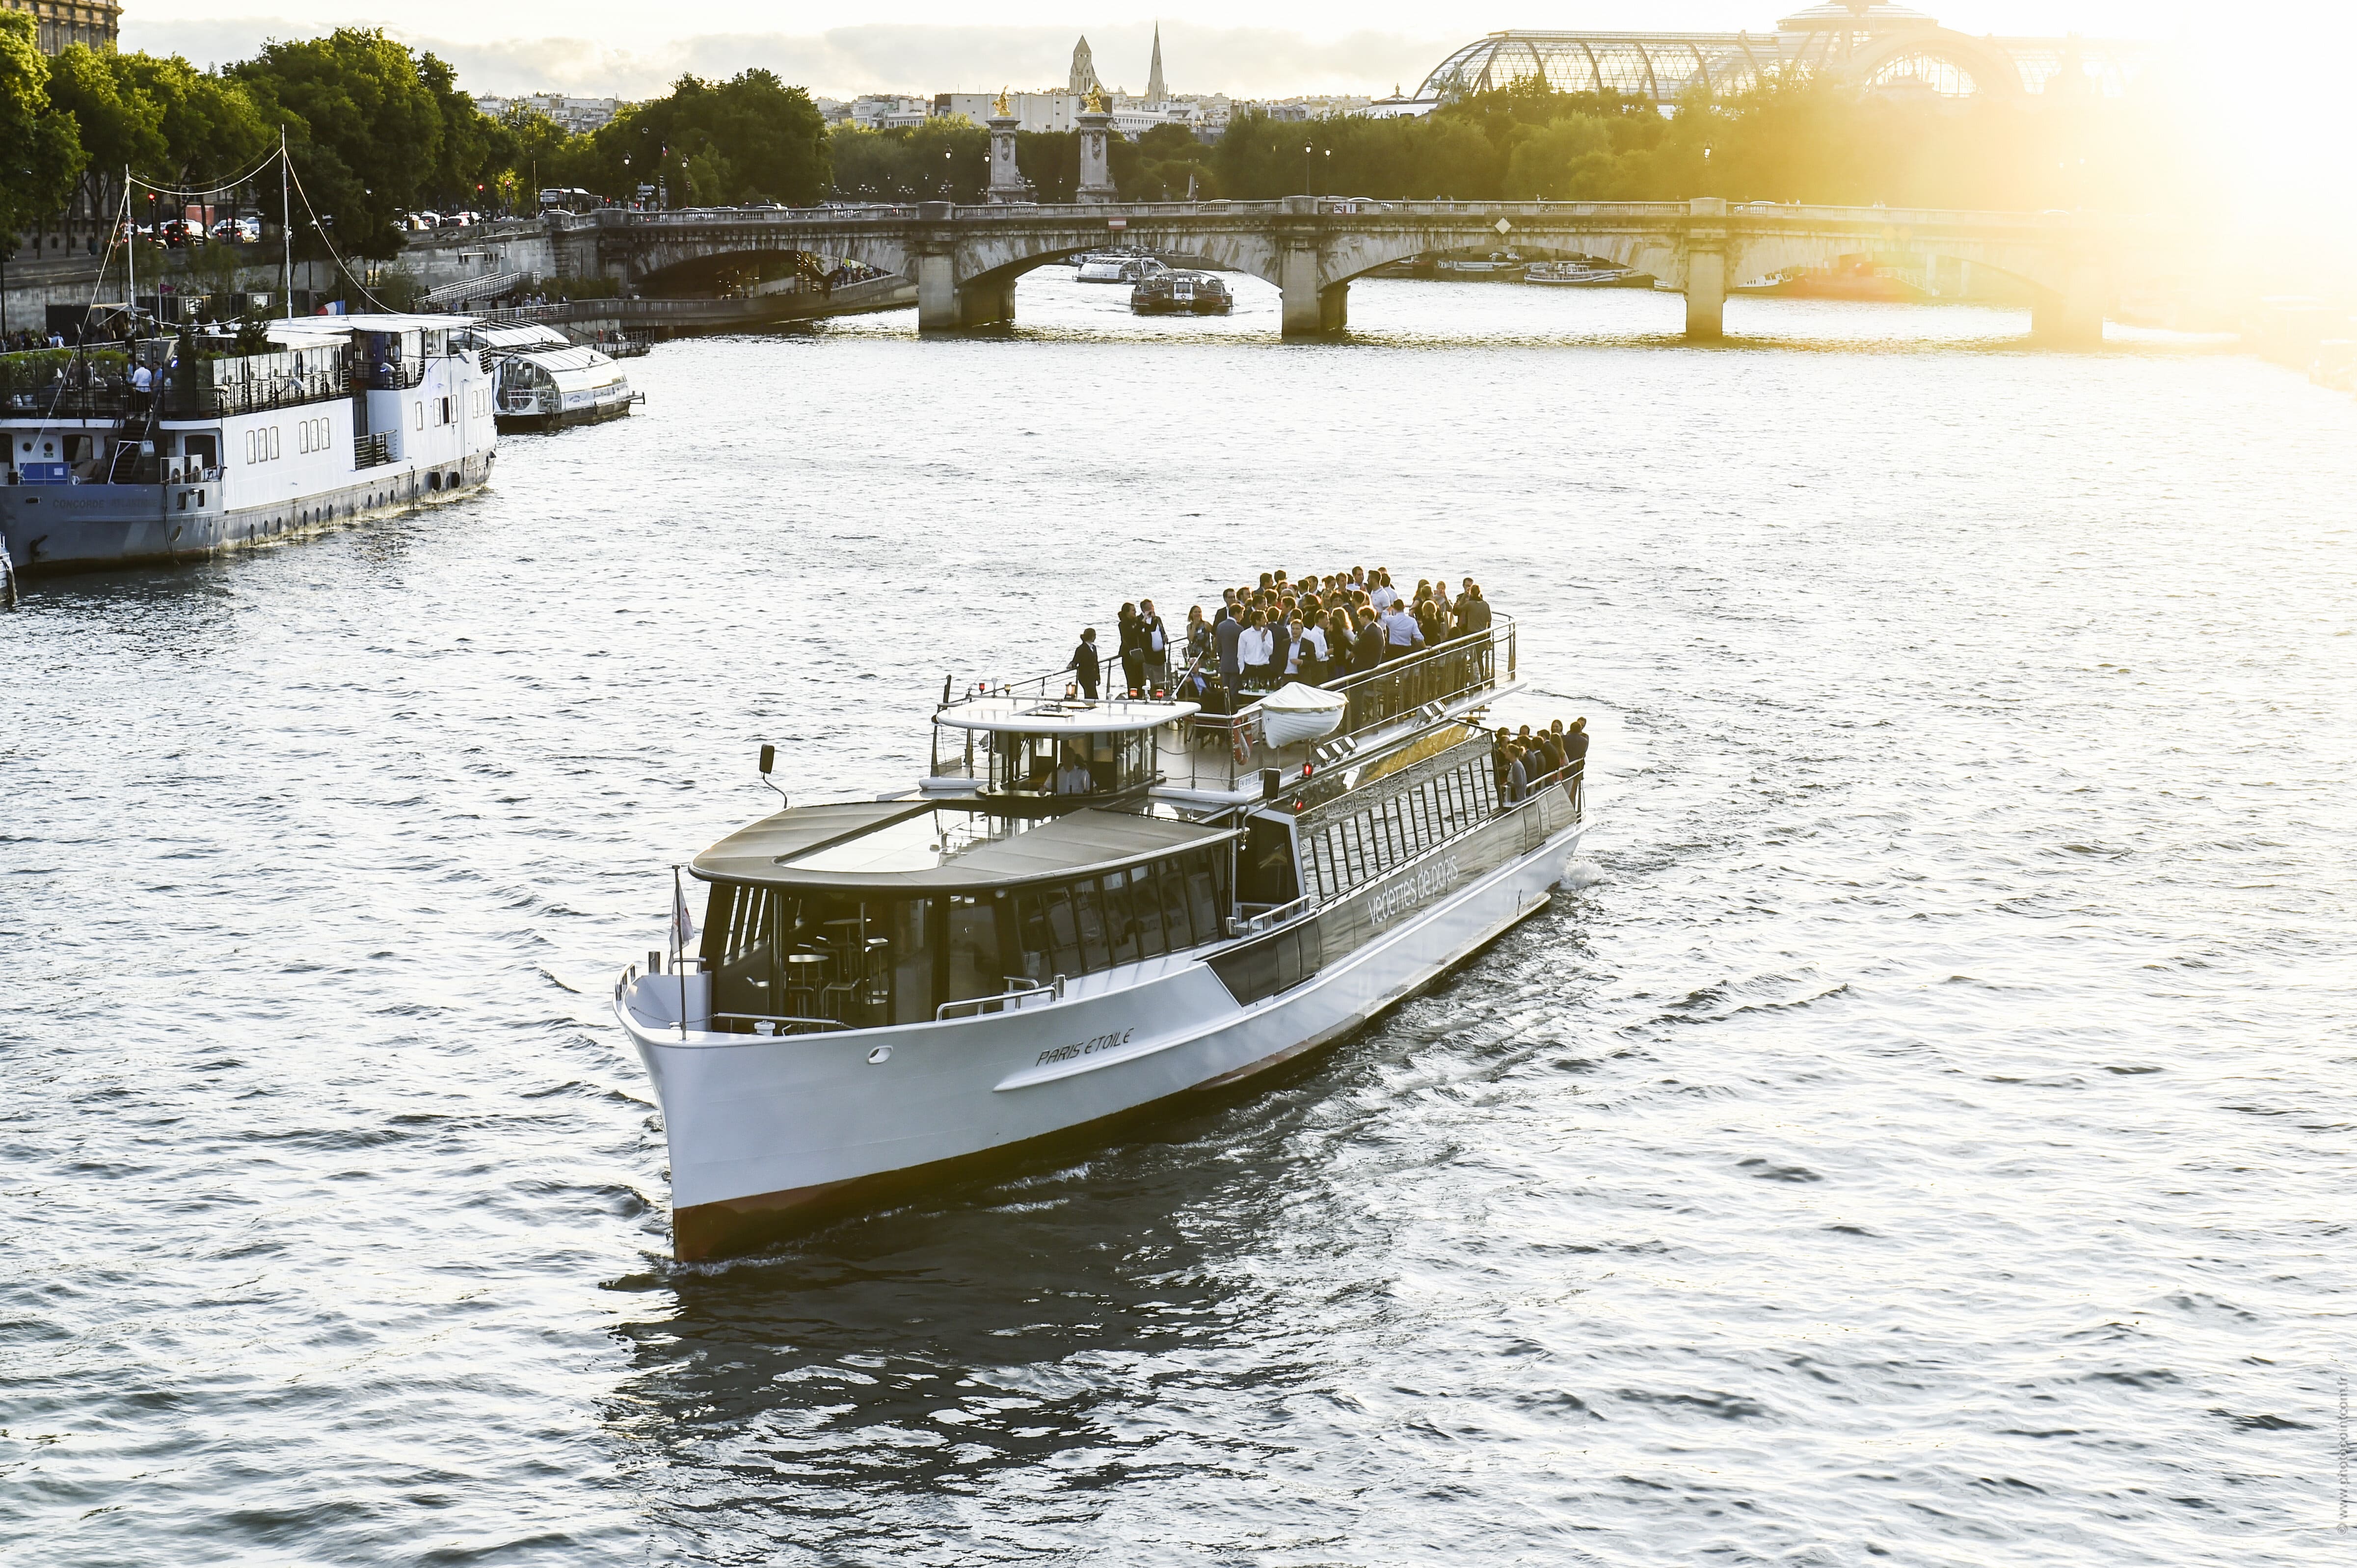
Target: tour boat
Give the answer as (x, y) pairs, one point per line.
(1849, 278)
(1181, 294)
(1086, 909)
(547, 381)
(1584, 274)
(1495, 265)
(341, 417)
(1118, 266)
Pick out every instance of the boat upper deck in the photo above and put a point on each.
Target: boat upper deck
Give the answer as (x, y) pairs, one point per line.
(1196, 749)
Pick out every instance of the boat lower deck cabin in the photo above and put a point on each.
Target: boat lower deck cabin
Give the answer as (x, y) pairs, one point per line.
(869, 913)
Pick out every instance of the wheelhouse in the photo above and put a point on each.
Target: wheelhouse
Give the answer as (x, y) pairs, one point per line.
(1047, 754)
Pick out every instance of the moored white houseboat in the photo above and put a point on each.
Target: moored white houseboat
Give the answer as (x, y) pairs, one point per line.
(1086, 909)
(341, 417)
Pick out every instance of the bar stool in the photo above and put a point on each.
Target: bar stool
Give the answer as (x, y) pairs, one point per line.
(878, 975)
(806, 975)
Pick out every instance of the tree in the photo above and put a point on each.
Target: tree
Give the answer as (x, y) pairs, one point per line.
(119, 125)
(366, 128)
(749, 138)
(945, 158)
(211, 126)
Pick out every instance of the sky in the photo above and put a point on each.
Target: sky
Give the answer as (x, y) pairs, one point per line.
(1278, 47)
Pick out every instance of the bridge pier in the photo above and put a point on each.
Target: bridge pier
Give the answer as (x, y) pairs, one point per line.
(1707, 269)
(1312, 308)
(2071, 317)
(945, 305)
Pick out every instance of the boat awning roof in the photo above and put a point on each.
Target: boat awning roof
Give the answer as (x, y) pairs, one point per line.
(903, 849)
(1049, 716)
(386, 322)
(525, 336)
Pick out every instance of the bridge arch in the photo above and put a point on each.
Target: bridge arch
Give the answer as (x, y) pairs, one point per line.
(965, 260)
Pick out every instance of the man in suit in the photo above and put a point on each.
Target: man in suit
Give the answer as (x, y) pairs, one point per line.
(1084, 663)
(1226, 634)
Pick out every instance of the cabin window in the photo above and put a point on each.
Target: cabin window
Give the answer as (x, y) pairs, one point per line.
(1089, 915)
(975, 968)
(1268, 875)
(1064, 931)
(417, 412)
(777, 954)
(1145, 909)
(1175, 923)
(1141, 911)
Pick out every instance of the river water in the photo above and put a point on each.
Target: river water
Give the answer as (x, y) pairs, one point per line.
(1920, 1132)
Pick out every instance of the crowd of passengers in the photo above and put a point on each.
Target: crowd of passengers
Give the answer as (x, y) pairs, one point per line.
(1315, 628)
(1526, 761)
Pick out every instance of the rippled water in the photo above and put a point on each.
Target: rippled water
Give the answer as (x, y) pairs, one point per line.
(1924, 1135)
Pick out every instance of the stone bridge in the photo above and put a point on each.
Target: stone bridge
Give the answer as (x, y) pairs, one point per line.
(965, 260)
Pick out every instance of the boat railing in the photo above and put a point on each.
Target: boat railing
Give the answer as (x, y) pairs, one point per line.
(1440, 675)
(999, 1001)
(1270, 916)
(1222, 749)
(801, 1025)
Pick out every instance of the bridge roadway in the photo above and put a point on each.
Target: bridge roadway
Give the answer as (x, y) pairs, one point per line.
(965, 260)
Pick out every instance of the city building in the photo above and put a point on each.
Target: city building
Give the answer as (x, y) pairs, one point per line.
(577, 116)
(1083, 77)
(1032, 111)
(58, 23)
(1887, 46)
(883, 111)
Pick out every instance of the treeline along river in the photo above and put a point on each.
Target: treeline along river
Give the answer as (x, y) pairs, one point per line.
(1922, 1133)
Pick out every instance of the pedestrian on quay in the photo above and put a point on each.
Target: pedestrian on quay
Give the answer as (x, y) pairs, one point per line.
(1084, 663)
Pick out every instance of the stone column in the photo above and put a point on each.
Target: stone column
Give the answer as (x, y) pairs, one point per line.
(1097, 172)
(1312, 308)
(1706, 268)
(1005, 180)
(937, 290)
(2071, 317)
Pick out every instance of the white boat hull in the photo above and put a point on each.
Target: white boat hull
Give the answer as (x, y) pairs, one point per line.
(765, 1132)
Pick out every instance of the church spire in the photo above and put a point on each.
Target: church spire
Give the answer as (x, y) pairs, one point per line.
(1084, 68)
(1155, 89)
